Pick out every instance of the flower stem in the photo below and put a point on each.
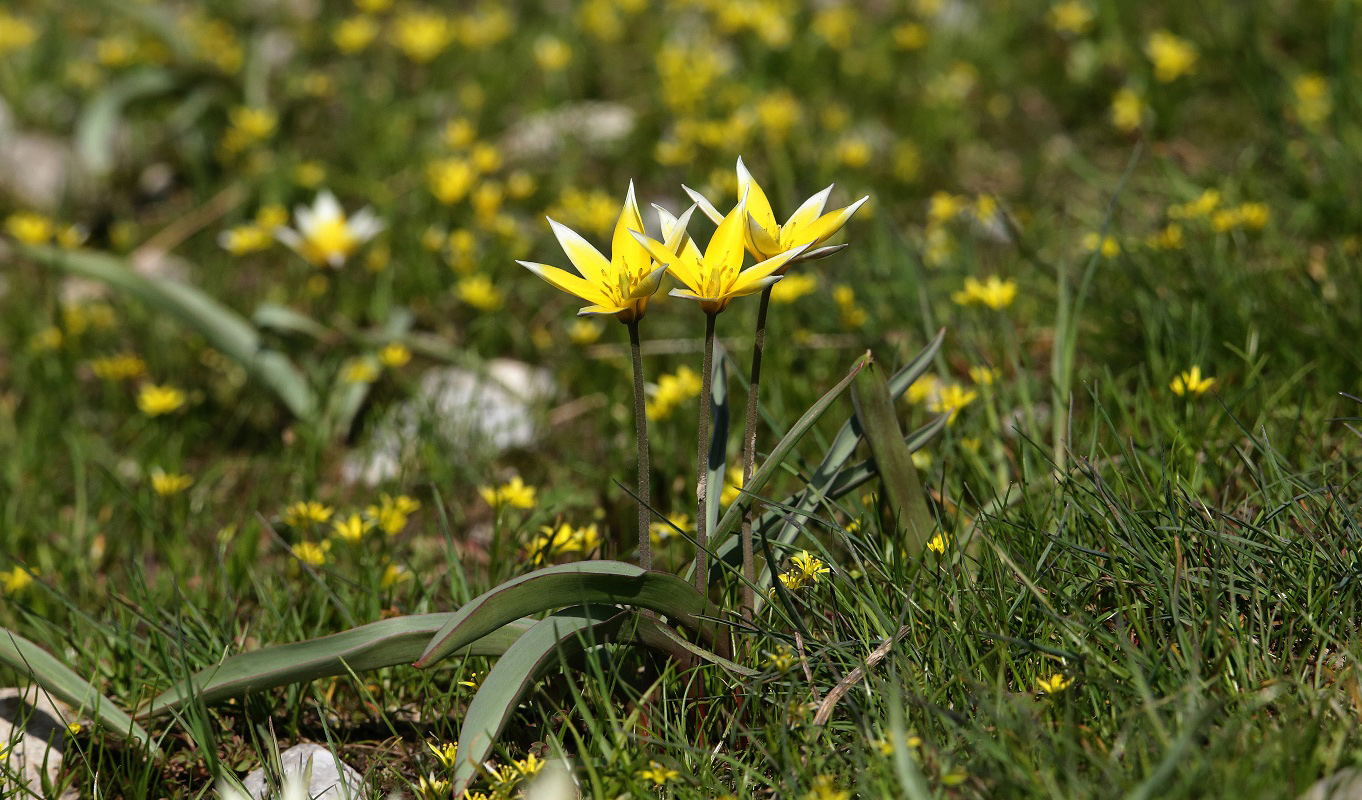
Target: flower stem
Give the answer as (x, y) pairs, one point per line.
(749, 457)
(702, 462)
(645, 547)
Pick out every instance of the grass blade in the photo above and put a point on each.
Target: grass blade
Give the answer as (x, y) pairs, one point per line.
(893, 460)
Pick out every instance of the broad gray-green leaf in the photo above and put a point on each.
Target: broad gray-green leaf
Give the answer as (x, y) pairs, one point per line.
(893, 460)
(96, 127)
(386, 643)
(64, 684)
(282, 319)
(548, 642)
(223, 328)
(582, 583)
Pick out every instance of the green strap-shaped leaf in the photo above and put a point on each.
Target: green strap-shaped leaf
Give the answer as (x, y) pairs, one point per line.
(387, 643)
(224, 329)
(547, 643)
(64, 684)
(582, 583)
(893, 460)
(96, 127)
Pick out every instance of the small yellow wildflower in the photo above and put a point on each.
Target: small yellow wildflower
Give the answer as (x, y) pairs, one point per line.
(154, 400)
(459, 133)
(994, 293)
(353, 34)
(168, 483)
(1203, 206)
(447, 753)
(352, 528)
(433, 788)
(1172, 56)
(248, 126)
(886, 745)
(450, 179)
(780, 659)
(950, 399)
(1054, 684)
(658, 774)
(910, 36)
(554, 541)
(551, 53)
(660, 531)
(1169, 238)
(938, 544)
(394, 355)
(513, 494)
(1128, 110)
(15, 580)
(983, 376)
(304, 514)
(422, 35)
(672, 392)
(393, 574)
(271, 216)
(325, 236)
(391, 513)
(806, 569)
(311, 553)
(583, 332)
(1107, 245)
(793, 287)
(70, 237)
(122, 367)
(359, 370)
(1191, 383)
(1313, 101)
(922, 389)
(1254, 216)
(479, 292)
(1070, 16)
(825, 789)
(248, 238)
(49, 338)
(853, 316)
(309, 174)
(30, 227)
(529, 766)
(16, 33)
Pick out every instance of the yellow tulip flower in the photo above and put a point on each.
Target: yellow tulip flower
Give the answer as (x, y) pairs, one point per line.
(621, 284)
(765, 238)
(715, 277)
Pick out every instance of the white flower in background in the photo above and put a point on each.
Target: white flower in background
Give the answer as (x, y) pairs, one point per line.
(324, 236)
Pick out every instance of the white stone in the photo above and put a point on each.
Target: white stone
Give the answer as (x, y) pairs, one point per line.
(33, 728)
(596, 125)
(493, 408)
(330, 779)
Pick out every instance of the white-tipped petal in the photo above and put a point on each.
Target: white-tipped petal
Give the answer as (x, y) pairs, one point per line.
(584, 256)
(808, 211)
(706, 207)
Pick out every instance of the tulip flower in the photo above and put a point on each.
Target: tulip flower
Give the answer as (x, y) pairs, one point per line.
(325, 237)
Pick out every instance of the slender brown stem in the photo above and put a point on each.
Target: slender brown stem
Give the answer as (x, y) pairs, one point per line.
(702, 462)
(749, 457)
(645, 545)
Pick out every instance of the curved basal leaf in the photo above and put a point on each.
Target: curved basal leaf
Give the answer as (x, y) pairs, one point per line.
(97, 126)
(547, 643)
(893, 460)
(64, 684)
(387, 643)
(224, 329)
(582, 583)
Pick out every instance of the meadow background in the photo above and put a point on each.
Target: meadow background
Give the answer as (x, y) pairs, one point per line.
(1094, 199)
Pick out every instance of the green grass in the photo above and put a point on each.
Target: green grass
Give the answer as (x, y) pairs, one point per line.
(1187, 564)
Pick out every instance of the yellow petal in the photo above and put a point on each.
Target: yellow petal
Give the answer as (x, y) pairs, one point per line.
(806, 213)
(587, 259)
(757, 204)
(825, 226)
(649, 284)
(684, 267)
(705, 206)
(723, 256)
(627, 256)
(567, 282)
(754, 275)
(609, 309)
(759, 241)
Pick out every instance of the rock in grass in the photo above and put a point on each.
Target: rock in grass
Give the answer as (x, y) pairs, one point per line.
(33, 741)
(330, 779)
(1346, 784)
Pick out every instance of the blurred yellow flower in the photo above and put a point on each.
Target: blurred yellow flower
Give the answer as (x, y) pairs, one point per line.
(922, 388)
(311, 553)
(983, 376)
(1169, 238)
(373, 6)
(393, 574)
(307, 513)
(1191, 382)
(359, 370)
(851, 314)
(994, 293)
(351, 528)
(422, 35)
(167, 483)
(70, 237)
(392, 513)
(354, 34)
(248, 238)
(583, 332)
(909, 36)
(1205, 203)
(324, 235)
(825, 789)
(551, 53)
(249, 126)
(661, 531)
(450, 179)
(1070, 16)
(309, 174)
(792, 287)
(16, 33)
(154, 400)
(673, 391)
(1313, 101)
(49, 338)
(433, 788)
(1128, 110)
(1054, 684)
(777, 113)
(394, 355)
(121, 367)
(15, 580)
(1171, 56)
(767, 239)
(479, 292)
(658, 774)
(29, 227)
(1107, 245)
(733, 482)
(513, 494)
(937, 544)
(621, 285)
(553, 541)
(950, 398)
